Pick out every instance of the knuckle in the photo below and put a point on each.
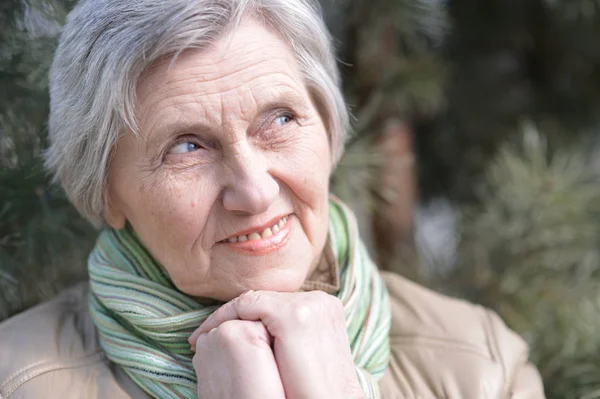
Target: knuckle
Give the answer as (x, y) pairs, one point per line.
(201, 347)
(247, 299)
(228, 332)
(235, 332)
(302, 314)
(256, 334)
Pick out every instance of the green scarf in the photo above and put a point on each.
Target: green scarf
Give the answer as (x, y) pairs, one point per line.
(144, 321)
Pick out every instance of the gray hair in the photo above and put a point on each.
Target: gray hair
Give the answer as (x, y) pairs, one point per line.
(105, 47)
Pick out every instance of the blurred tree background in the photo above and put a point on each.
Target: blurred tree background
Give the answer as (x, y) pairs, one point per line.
(43, 241)
(474, 165)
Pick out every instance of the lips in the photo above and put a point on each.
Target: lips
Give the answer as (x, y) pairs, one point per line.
(260, 241)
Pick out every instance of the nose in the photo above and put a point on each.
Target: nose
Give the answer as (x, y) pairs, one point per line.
(251, 189)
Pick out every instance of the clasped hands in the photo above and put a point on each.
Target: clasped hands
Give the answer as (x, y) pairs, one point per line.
(276, 345)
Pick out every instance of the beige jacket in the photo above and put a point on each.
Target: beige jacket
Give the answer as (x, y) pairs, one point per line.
(441, 348)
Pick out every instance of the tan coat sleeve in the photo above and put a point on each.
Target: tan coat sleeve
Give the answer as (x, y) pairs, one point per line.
(522, 378)
(527, 383)
(51, 352)
(445, 348)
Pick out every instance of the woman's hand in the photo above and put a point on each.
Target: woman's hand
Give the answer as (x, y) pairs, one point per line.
(235, 360)
(310, 340)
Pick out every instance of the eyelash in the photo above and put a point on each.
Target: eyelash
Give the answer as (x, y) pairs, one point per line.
(188, 138)
(286, 114)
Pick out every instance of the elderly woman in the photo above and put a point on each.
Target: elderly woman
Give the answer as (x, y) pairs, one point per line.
(201, 134)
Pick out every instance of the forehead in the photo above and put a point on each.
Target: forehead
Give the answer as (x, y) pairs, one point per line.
(249, 56)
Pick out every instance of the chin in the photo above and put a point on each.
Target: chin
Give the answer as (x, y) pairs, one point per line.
(277, 280)
(285, 270)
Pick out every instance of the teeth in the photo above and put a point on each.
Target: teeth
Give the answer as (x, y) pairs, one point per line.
(254, 236)
(266, 233)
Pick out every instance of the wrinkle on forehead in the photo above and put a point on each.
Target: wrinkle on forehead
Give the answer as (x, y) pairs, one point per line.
(247, 66)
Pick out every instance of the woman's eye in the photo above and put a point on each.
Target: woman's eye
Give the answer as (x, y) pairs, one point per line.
(283, 119)
(184, 148)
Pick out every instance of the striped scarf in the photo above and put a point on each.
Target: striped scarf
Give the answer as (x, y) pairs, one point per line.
(144, 321)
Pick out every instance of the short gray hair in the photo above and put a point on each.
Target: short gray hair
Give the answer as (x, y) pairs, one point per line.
(105, 47)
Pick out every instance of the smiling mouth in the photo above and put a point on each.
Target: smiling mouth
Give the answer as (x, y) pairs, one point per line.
(266, 241)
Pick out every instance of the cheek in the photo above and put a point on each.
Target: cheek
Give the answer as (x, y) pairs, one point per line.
(172, 210)
(304, 169)
(309, 169)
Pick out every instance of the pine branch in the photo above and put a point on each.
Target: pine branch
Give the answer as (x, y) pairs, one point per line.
(530, 251)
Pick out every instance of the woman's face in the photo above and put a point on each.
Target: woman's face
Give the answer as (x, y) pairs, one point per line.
(227, 187)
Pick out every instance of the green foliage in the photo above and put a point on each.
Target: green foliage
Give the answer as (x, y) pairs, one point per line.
(531, 251)
(43, 241)
(576, 10)
(392, 70)
(509, 61)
